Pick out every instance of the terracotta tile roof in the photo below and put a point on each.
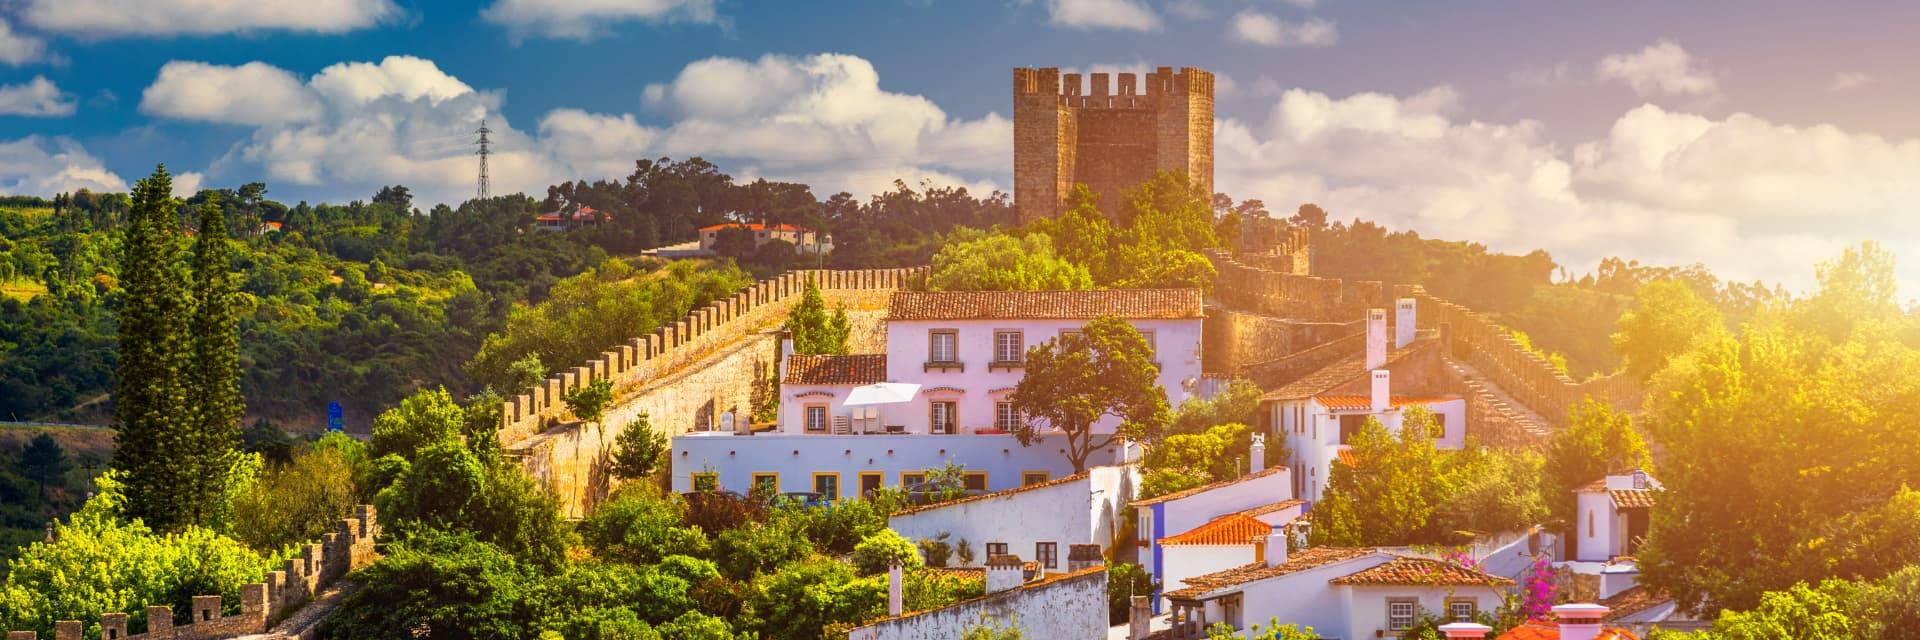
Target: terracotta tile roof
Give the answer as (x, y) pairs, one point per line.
(1042, 305)
(1296, 562)
(1364, 403)
(1203, 489)
(1632, 601)
(1542, 630)
(1420, 572)
(752, 227)
(1346, 457)
(1233, 528)
(1264, 510)
(989, 496)
(585, 214)
(866, 368)
(1340, 372)
(1632, 498)
(964, 573)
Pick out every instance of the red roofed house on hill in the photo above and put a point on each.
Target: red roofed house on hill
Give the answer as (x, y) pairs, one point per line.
(558, 221)
(805, 241)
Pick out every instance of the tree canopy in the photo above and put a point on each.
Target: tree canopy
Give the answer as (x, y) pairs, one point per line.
(1075, 380)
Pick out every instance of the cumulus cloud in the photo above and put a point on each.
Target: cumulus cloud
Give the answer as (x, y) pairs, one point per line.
(186, 184)
(163, 18)
(1662, 68)
(18, 48)
(43, 166)
(254, 93)
(36, 97)
(588, 19)
(1749, 197)
(1254, 27)
(1124, 15)
(1850, 80)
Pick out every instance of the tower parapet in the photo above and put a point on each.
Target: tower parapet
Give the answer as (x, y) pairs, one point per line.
(1110, 132)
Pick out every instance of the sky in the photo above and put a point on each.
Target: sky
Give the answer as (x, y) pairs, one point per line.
(1758, 138)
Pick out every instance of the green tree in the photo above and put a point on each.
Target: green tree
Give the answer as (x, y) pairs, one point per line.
(974, 260)
(1388, 495)
(442, 586)
(427, 417)
(638, 450)
(589, 402)
(303, 499)
(1238, 403)
(1801, 611)
(44, 462)
(1273, 631)
(803, 598)
(882, 550)
(1184, 461)
(1890, 607)
(639, 524)
(1597, 440)
(1667, 319)
(1073, 381)
(1124, 581)
(152, 413)
(814, 330)
(213, 373)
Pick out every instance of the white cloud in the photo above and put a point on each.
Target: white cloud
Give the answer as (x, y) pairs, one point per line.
(36, 97)
(254, 93)
(588, 19)
(404, 77)
(1558, 75)
(1125, 15)
(1748, 197)
(163, 18)
(42, 166)
(1662, 68)
(187, 184)
(1190, 9)
(17, 48)
(1849, 80)
(1254, 27)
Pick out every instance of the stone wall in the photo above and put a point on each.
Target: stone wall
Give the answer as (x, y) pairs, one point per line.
(1109, 136)
(261, 603)
(1072, 605)
(1240, 344)
(1289, 295)
(689, 375)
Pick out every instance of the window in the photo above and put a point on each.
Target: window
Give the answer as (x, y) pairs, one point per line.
(1009, 346)
(942, 419)
(941, 346)
(1033, 477)
(816, 418)
(912, 479)
(1439, 426)
(1350, 427)
(1065, 333)
(1589, 524)
(1047, 554)
(708, 481)
(1153, 352)
(996, 549)
(1004, 417)
(1230, 608)
(870, 482)
(1400, 613)
(974, 481)
(1462, 609)
(827, 485)
(767, 483)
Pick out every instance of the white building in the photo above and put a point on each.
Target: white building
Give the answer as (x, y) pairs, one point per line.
(1264, 496)
(1040, 604)
(938, 395)
(1229, 541)
(1320, 413)
(1039, 521)
(1342, 593)
(804, 240)
(1611, 515)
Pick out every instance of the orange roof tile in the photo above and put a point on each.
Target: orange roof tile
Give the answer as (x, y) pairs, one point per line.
(987, 496)
(1633, 600)
(1542, 630)
(1233, 528)
(1041, 305)
(1340, 372)
(1632, 498)
(1296, 562)
(752, 227)
(1264, 510)
(1203, 489)
(1420, 572)
(1364, 403)
(855, 369)
(1346, 457)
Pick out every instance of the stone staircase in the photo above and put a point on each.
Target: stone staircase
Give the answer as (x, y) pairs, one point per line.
(1499, 418)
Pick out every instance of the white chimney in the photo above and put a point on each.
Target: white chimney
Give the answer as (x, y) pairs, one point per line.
(786, 351)
(1376, 338)
(896, 605)
(1465, 630)
(1382, 395)
(1403, 323)
(1257, 454)
(1276, 548)
(1580, 621)
(1140, 623)
(1004, 572)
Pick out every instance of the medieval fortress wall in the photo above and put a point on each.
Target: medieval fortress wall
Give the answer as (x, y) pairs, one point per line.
(689, 375)
(1108, 137)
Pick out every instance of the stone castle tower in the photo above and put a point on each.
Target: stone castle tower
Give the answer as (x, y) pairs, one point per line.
(1109, 140)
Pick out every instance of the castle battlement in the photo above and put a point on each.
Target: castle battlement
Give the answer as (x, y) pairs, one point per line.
(1111, 136)
(1111, 90)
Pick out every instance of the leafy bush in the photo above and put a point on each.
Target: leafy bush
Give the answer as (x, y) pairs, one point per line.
(882, 550)
(443, 585)
(640, 525)
(303, 499)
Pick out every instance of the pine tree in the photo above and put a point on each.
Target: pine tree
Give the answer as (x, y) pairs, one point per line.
(213, 373)
(150, 406)
(814, 331)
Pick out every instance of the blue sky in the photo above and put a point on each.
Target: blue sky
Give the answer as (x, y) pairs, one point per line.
(1756, 137)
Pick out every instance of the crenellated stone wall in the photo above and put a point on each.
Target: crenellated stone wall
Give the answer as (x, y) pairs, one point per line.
(689, 375)
(1281, 293)
(261, 603)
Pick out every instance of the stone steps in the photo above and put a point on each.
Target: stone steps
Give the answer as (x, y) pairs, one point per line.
(1484, 393)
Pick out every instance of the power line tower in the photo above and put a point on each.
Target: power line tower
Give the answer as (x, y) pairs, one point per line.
(483, 142)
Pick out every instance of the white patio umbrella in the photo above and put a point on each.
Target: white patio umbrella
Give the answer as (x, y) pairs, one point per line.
(881, 393)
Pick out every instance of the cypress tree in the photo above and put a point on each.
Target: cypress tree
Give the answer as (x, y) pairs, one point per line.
(151, 413)
(213, 372)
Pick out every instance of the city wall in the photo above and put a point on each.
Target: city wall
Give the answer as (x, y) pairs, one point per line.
(261, 603)
(696, 374)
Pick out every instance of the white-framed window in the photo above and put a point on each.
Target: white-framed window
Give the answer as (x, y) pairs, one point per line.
(996, 549)
(1401, 613)
(1009, 345)
(1462, 610)
(816, 418)
(941, 346)
(1004, 417)
(941, 417)
(1153, 350)
(1047, 554)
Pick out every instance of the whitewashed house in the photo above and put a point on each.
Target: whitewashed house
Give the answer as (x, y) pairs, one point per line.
(1041, 521)
(1039, 604)
(1342, 593)
(1319, 414)
(1611, 515)
(851, 424)
(1229, 541)
(1196, 531)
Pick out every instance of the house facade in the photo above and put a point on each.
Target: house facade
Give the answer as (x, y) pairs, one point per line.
(1039, 521)
(804, 240)
(562, 220)
(1197, 531)
(1611, 515)
(1343, 593)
